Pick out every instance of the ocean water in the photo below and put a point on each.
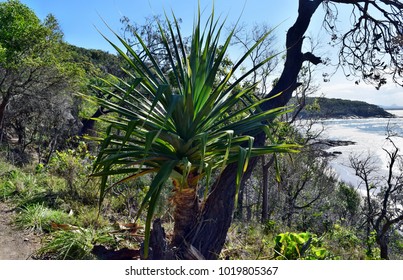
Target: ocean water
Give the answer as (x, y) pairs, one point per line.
(370, 137)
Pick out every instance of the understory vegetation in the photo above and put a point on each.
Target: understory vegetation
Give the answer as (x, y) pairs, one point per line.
(132, 156)
(63, 210)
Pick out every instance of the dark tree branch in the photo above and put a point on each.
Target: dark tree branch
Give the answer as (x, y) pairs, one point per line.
(367, 50)
(310, 57)
(216, 216)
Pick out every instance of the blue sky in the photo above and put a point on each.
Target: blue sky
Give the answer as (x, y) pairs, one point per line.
(80, 19)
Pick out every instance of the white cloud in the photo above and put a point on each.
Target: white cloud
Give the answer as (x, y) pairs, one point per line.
(339, 87)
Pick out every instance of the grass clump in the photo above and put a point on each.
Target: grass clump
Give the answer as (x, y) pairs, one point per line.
(76, 244)
(7, 190)
(38, 218)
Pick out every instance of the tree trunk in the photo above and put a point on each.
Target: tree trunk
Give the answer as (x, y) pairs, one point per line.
(212, 226)
(265, 192)
(185, 215)
(265, 188)
(210, 230)
(88, 124)
(383, 245)
(287, 82)
(3, 106)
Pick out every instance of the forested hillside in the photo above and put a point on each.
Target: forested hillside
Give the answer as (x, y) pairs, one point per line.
(97, 62)
(326, 108)
(40, 108)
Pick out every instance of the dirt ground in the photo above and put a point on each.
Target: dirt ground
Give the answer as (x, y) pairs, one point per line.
(14, 244)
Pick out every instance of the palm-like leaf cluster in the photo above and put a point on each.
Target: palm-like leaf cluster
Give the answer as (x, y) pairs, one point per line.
(181, 123)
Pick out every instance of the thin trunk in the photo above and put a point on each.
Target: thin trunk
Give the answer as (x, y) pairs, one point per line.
(3, 106)
(239, 211)
(265, 188)
(265, 192)
(368, 241)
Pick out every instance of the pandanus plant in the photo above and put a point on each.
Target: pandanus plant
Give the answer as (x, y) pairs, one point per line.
(183, 122)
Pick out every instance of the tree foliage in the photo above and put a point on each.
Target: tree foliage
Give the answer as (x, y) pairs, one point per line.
(370, 49)
(368, 14)
(184, 130)
(177, 110)
(340, 108)
(37, 81)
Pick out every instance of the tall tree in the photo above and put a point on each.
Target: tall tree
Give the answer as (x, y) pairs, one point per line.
(18, 25)
(37, 78)
(382, 196)
(374, 36)
(375, 33)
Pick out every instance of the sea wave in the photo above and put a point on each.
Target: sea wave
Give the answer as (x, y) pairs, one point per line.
(371, 139)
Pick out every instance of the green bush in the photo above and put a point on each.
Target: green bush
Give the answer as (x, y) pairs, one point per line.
(18, 185)
(344, 243)
(294, 246)
(73, 165)
(90, 217)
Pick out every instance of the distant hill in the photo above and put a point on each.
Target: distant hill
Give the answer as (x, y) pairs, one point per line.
(320, 107)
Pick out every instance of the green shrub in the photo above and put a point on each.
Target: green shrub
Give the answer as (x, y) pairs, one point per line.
(18, 185)
(344, 243)
(89, 217)
(294, 246)
(73, 166)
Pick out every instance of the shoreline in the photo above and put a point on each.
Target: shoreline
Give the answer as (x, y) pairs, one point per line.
(324, 144)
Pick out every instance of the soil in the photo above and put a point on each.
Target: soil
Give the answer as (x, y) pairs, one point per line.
(14, 243)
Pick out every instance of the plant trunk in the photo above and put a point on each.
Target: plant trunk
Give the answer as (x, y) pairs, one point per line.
(383, 245)
(238, 215)
(158, 242)
(265, 192)
(384, 251)
(265, 188)
(209, 232)
(211, 229)
(186, 209)
(88, 124)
